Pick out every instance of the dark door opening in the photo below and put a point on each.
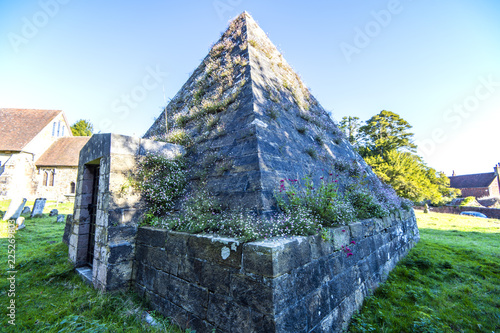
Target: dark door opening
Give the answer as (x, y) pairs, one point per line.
(93, 213)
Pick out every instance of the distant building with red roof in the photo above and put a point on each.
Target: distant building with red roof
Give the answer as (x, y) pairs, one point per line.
(478, 185)
(38, 154)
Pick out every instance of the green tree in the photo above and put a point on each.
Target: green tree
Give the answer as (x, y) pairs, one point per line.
(386, 132)
(350, 126)
(385, 142)
(82, 128)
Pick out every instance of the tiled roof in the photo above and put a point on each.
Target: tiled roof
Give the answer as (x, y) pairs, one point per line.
(64, 152)
(471, 181)
(19, 126)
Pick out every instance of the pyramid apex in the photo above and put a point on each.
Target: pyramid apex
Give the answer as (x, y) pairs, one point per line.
(249, 121)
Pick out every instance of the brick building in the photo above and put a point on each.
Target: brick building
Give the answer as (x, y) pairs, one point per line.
(478, 185)
(38, 154)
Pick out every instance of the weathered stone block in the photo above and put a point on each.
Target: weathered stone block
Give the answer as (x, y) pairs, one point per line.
(216, 278)
(276, 257)
(162, 260)
(188, 296)
(152, 236)
(189, 269)
(339, 237)
(120, 252)
(357, 230)
(317, 305)
(307, 278)
(292, 320)
(130, 217)
(229, 316)
(120, 234)
(284, 293)
(320, 247)
(176, 243)
(162, 284)
(146, 275)
(226, 251)
(118, 275)
(248, 292)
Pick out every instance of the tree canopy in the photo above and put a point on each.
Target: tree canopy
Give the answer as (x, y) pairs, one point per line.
(82, 128)
(385, 132)
(386, 144)
(351, 128)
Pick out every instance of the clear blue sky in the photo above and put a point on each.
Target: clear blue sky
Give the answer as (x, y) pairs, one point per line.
(437, 64)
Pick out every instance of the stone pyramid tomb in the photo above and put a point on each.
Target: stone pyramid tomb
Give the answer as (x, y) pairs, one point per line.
(249, 121)
(246, 121)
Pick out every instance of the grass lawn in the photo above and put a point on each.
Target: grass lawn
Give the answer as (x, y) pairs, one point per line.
(50, 297)
(449, 282)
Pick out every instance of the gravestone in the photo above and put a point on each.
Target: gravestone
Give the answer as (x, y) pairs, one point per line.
(53, 212)
(38, 207)
(26, 210)
(60, 218)
(67, 228)
(15, 208)
(20, 223)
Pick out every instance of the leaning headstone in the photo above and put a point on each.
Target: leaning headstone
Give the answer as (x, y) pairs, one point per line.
(15, 208)
(60, 218)
(26, 210)
(67, 228)
(38, 207)
(53, 212)
(20, 223)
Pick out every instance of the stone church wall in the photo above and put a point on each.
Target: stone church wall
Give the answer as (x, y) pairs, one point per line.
(297, 284)
(61, 190)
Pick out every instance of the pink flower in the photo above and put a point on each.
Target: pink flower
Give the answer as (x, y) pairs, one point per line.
(343, 230)
(353, 242)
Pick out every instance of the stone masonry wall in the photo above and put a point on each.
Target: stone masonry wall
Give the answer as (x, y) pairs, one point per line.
(63, 178)
(298, 284)
(119, 206)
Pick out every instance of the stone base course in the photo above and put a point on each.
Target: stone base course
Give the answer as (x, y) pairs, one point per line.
(297, 284)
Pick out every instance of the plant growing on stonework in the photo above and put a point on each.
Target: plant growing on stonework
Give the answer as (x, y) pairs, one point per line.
(178, 136)
(319, 139)
(365, 204)
(301, 130)
(161, 181)
(202, 213)
(311, 152)
(323, 201)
